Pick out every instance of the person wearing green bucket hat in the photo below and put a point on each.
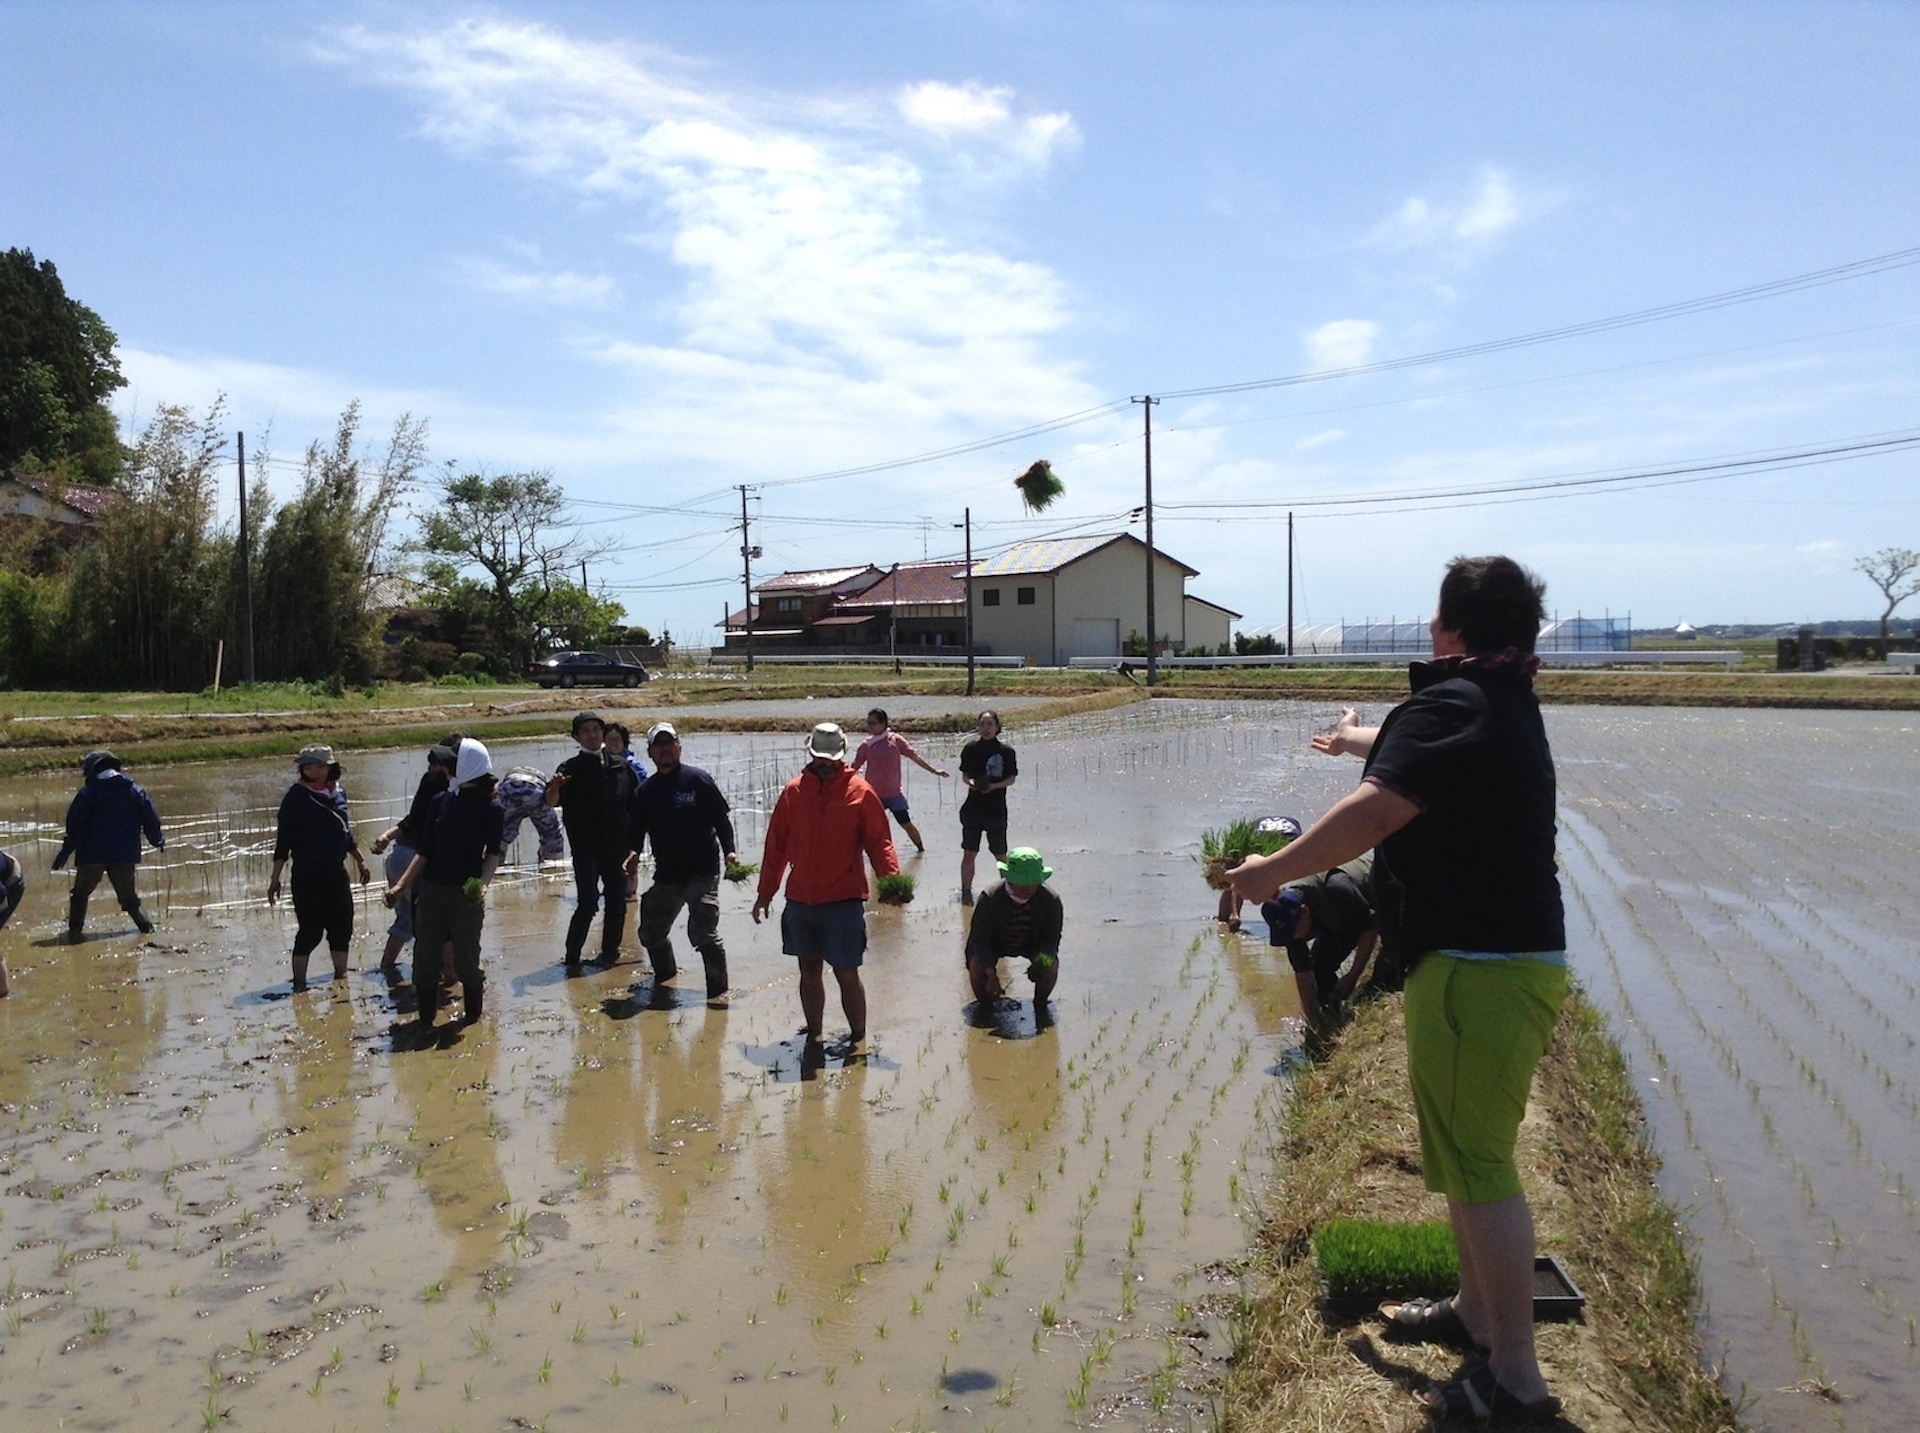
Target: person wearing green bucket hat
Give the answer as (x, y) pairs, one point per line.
(1019, 919)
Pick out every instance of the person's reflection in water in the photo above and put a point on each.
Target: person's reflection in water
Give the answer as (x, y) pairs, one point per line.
(318, 1106)
(603, 1092)
(450, 1097)
(1015, 1080)
(830, 1212)
(685, 1131)
(99, 996)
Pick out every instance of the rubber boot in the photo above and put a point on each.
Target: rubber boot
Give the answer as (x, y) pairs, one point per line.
(472, 990)
(76, 918)
(299, 973)
(429, 1002)
(716, 975)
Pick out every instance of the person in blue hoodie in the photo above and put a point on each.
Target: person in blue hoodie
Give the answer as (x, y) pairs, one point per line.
(108, 816)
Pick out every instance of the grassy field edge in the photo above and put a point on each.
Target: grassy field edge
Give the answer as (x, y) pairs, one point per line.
(1348, 1148)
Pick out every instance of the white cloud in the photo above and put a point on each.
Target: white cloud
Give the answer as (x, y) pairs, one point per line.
(1486, 209)
(823, 319)
(553, 289)
(975, 110)
(1343, 343)
(1320, 439)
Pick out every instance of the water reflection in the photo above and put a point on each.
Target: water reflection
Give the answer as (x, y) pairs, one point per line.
(448, 1095)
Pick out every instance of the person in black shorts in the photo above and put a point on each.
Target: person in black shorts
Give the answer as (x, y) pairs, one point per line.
(988, 768)
(315, 830)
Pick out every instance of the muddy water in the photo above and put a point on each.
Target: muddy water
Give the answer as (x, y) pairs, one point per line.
(607, 1205)
(1744, 904)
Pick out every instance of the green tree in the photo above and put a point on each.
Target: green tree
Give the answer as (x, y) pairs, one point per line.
(325, 552)
(1896, 572)
(57, 367)
(511, 530)
(147, 588)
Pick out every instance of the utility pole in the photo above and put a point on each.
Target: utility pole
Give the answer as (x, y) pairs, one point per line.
(746, 575)
(968, 525)
(1289, 584)
(246, 575)
(893, 622)
(1146, 407)
(583, 574)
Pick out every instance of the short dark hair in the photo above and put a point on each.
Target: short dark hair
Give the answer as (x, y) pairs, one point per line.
(876, 714)
(1493, 603)
(614, 728)
(998, 725)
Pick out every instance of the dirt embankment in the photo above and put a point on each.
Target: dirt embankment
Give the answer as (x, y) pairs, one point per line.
(1350, 1149)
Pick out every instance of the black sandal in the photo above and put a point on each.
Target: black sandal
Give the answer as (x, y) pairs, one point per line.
(1479, 1398)
(1430, 1321)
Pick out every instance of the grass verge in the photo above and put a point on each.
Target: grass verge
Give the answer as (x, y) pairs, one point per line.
(1349, 1148)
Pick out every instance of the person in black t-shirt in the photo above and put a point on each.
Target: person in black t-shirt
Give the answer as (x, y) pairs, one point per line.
(594, 791)
(315, 830)
(987, 769)
(683, 814)
(458, 854)
(399, 841)
(1458, 801)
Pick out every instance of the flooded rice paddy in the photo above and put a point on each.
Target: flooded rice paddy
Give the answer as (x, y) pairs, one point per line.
(607, 1204)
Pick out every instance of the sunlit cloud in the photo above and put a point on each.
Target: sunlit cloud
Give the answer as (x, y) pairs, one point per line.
(823, 317)
(551, 288)
(1488, 208)
(1343, 343)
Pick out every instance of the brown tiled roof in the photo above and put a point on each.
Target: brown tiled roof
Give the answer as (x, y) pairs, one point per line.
(915, 584)
(818, 579)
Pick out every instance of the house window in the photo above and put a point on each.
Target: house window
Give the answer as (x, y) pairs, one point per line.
(786, 604)
(1024, 596)
(990, 597)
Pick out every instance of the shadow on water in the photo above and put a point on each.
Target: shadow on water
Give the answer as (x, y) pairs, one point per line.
(650, 995)
(1009, 1019)
(796, 1060)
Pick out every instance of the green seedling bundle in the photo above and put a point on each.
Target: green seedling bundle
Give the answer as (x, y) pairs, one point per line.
(1363, 1261)
(1222, 850)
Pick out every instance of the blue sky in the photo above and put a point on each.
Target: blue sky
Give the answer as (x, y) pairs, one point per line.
(663, 250)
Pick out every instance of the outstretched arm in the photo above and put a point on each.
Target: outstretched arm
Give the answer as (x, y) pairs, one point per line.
(1348, 737)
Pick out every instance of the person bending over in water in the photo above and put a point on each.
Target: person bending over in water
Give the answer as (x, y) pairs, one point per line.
(1019, 919)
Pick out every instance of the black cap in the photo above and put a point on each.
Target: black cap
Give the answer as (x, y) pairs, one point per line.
(580, 719)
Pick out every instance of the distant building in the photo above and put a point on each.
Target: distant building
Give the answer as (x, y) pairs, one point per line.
(1046, 601)
(70, 504)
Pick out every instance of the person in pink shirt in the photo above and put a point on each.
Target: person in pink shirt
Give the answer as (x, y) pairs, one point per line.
(880, 753)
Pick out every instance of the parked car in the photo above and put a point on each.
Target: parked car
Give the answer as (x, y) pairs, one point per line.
(586, 669)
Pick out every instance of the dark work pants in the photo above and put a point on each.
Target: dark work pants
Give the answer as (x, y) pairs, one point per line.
(591, 877)
(85, 878)
(442, 914)
(661, 904)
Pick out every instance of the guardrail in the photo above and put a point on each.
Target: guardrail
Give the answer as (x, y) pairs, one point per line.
(1908, 662)
(1693, 658)
(845, 659)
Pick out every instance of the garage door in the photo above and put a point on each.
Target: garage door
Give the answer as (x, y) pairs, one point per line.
(1096, 637)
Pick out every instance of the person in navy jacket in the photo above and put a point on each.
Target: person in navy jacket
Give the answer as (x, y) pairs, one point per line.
(108, 816)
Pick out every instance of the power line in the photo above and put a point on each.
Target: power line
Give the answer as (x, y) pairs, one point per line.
(1702, 470)
(1818, 278)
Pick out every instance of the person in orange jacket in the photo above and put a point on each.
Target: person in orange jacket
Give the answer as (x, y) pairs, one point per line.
(825, 819)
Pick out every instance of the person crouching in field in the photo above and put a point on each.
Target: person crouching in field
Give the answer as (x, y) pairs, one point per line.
(458, 853)
(315, 830)
(1320, 921)
(1457, 801)
(1019, 919)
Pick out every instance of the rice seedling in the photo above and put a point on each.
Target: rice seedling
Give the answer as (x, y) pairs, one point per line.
(895, 889)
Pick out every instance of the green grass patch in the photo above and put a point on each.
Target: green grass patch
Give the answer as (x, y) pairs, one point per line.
(1368, 1260)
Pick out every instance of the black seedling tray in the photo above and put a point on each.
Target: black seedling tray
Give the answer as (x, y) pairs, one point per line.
(1555, 1295)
